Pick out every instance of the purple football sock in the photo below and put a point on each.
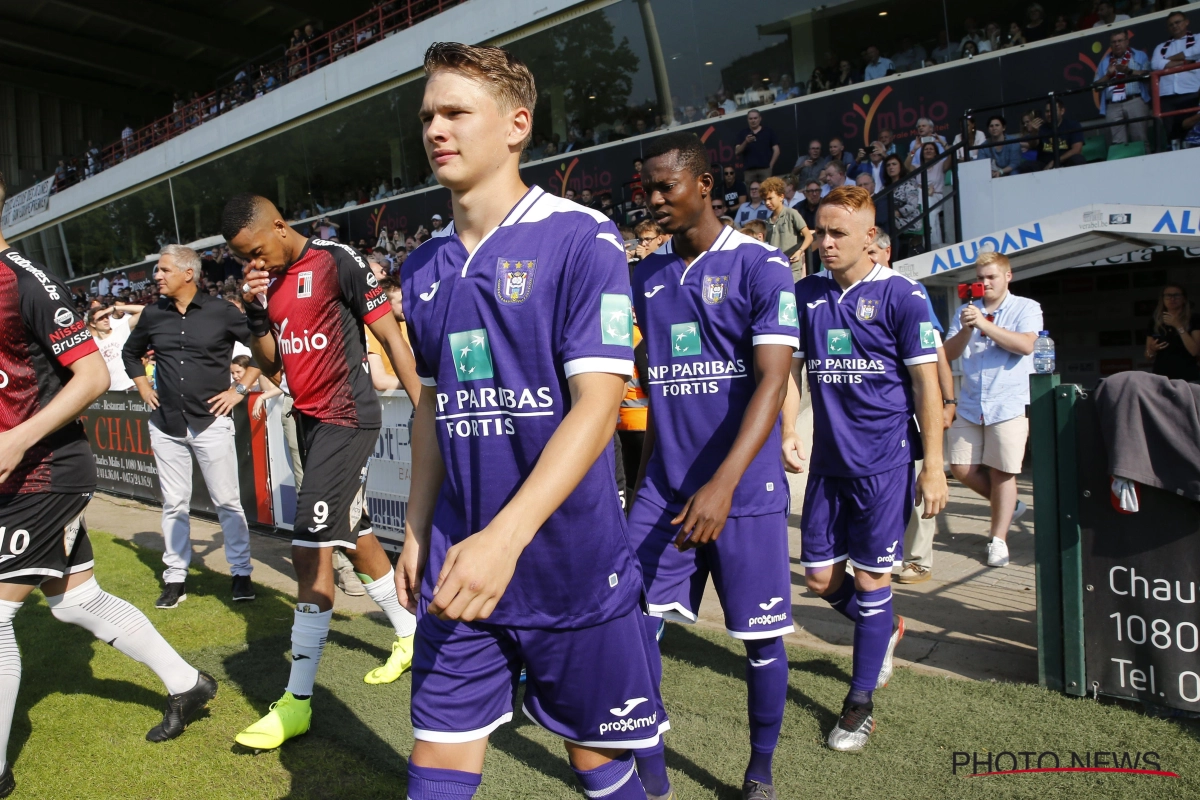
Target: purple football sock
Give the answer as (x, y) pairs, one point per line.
(766, 683)
(871, 635)
(651, 761)
(427, 783)
(616, 780)
(843, 600)
(652, 769)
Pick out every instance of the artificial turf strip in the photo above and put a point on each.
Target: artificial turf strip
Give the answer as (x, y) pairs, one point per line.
(90, 707)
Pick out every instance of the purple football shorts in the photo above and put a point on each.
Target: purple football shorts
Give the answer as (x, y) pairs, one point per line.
(860, 519)
(592, 686)
(749, 564)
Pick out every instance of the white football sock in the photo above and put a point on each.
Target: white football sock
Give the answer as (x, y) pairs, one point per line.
(10, 674)
(383, 592)
(112, 620)
(310, 629)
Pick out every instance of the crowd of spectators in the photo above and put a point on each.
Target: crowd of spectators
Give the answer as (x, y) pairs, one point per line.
(306, 50)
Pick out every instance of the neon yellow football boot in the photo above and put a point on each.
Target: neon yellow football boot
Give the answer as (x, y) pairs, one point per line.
(287, 718)
(398, 663)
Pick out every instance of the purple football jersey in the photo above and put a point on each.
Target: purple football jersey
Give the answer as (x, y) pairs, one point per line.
(700, 323)
(545, 296)
(857, 346)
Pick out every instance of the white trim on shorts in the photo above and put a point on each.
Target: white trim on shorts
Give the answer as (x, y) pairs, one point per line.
(613, 744)
(881, 567)
(771, 634)
(82, 567)
(331, 543)
(675, 612)
(49, 573)
(457, 737)
(827, 563)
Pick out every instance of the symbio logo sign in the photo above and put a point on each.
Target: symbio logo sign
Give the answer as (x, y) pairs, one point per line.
(290, 343)
(873, 116)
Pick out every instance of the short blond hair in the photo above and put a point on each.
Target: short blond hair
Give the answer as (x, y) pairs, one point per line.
(506, 77)
(851, 198)
(772, 185)
(988, 257)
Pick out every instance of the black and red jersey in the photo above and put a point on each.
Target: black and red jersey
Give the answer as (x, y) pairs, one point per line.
(318, 309)
(40, 336)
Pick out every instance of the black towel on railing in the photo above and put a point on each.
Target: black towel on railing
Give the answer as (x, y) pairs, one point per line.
(1151, 430)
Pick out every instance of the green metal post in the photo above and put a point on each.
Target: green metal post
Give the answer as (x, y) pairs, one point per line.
(1043, 438)
(1070, 542)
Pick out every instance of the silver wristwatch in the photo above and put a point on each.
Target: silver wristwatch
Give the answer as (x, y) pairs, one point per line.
(240, 389)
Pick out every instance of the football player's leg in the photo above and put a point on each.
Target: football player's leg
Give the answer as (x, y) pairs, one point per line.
(464, 684)
(606, 773)
(674, 585)
(823, 547)
(13, 595)
(883, 504)
(602, 713)
(751, 572)
(379, 579)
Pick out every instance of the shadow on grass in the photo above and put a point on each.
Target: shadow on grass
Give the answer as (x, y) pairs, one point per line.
(57, 659)
(682, 644)
(260, 671)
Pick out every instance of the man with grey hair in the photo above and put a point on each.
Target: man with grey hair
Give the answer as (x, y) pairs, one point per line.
(918, 536)
(192, 335)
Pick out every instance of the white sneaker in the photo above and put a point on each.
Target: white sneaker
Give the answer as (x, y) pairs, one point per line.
(997, 553)
(1019, 511)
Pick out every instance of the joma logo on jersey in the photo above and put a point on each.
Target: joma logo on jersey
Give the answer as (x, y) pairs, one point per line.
(716, 289)
(304, 284)
(868, 307)
(616, 319)
(514, 279)
(838, 342)
(472, 355)
(787, 310)
(685, 339)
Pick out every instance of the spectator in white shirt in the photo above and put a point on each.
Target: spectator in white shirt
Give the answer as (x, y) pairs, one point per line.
(946, 51)
(110, 335)
(103, 286)
(1177, 91)
(1107, 14)
(834, 176)
(910, 56)
(877, 65)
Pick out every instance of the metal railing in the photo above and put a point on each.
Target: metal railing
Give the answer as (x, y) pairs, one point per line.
(916, 234)
(257, 80)
(905, 233)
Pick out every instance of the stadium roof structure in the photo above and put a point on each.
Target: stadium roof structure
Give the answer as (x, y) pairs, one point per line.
(1075, 238)
(131, 54)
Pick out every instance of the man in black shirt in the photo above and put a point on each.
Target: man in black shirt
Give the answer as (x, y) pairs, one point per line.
(192, 335)
(759, 148)
(1070, 142)
(733, 190)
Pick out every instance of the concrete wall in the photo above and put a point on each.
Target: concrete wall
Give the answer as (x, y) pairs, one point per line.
(992, 204)
(384, 62)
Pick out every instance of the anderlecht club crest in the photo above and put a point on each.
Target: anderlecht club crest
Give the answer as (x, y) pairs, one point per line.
(716, 289)
(868, 307)
(514, 279)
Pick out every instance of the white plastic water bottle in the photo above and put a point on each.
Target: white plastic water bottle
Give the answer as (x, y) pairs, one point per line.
(1043, 354)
